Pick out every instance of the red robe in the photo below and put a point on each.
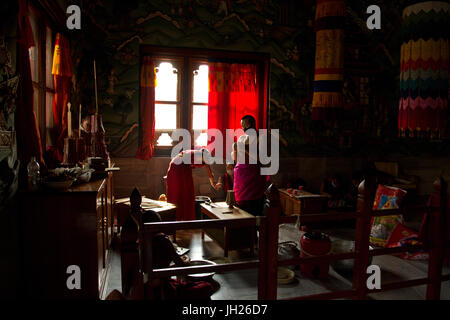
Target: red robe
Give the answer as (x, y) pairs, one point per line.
(180, 187)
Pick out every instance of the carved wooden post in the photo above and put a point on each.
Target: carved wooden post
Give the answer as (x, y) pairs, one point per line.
(366, 191)
(129, 250)
(437, 233)
(273, 212)
(136, 214)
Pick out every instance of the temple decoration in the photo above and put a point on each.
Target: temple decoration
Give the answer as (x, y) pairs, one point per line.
(329, 64)
(423, 107)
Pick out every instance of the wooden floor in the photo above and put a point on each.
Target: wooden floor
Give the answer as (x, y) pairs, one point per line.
(242, 285)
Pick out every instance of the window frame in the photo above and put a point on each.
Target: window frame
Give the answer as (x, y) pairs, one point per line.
(44, 88)
(48, 15)
(190, 57)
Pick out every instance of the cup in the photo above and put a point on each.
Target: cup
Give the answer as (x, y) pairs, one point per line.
(230, 199)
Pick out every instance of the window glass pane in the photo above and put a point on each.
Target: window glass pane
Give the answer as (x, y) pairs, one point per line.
(200, 117)
(34, 51)
(201, 84)
(165, 116)
(201, 140)
(48, 58)
(166, 82)
(164, 139)
(36, 104)
(49, 110)
(48, 117)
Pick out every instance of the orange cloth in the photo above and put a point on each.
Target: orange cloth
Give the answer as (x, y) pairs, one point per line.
(62, 73)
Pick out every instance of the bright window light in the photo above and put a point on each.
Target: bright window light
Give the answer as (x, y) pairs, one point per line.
(166, 82)
(164, 140)
(201, 84)
(202, 140)
(200, 117)
(165, 116)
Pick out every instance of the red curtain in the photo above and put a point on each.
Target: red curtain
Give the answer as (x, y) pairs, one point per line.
(27, 130)
(233, 93)
(147, 109)
(62, 74)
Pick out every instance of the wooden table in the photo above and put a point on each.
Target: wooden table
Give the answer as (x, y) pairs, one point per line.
(305, 203)
(166, 210)
(228, 239)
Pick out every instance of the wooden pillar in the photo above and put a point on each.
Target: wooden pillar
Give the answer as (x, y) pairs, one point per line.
(262, 257)
(272, 213)
(366, 191)
(437, 233)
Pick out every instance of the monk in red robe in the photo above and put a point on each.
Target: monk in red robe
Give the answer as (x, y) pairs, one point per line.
(180, 185)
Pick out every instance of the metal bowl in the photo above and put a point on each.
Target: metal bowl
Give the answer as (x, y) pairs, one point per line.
(85, 176)
(58, 185)
(344, 246)
(201, 276)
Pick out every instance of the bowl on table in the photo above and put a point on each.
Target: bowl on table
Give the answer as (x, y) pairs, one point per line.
(343, 246)
(201, 276)
(85, 175)
(59, 184)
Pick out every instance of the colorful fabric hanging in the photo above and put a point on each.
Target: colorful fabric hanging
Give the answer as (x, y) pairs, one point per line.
(423, 107)
(62, 74)
(329, 63)
(147, 110)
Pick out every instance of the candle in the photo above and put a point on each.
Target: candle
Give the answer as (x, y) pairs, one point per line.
(95, 85)
(79, 123)
(69, 121)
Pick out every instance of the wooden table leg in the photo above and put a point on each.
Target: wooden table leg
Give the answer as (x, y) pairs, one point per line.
(226, 240)
(203, 231)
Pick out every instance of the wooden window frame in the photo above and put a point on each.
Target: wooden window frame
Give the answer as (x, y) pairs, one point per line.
(46, 13)
(190, 56)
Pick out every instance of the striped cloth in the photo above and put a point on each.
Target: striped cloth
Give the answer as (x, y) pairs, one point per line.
(423, 105)
(329, 62)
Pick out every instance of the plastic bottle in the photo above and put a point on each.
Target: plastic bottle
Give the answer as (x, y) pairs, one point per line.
(33, 169)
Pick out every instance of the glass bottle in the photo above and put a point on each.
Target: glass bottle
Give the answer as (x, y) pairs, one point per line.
(33, 169)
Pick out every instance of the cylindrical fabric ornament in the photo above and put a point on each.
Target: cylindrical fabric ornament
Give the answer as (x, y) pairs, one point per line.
(329, 62)
(423, 106)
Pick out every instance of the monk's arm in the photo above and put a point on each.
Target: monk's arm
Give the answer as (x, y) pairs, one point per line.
(211, 178)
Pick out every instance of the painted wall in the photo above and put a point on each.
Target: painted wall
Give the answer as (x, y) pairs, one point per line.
(112, 32)
(8, 157)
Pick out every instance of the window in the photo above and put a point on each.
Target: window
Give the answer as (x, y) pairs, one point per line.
(181, 92)
(41, 59)
(171, 106)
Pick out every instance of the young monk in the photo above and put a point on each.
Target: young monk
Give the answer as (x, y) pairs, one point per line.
(180, 185)
(248, 185)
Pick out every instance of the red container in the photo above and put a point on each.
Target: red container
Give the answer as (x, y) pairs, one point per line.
(315, 244)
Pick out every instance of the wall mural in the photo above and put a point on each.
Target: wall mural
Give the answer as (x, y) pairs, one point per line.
(282, 28)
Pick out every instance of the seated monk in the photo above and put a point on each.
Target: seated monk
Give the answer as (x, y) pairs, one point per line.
(163, 254)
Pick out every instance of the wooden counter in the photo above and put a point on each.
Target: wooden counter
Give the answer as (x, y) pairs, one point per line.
(60, 229)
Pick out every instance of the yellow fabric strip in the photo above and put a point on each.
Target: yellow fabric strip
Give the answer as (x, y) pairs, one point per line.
(425, 49)
(329, 49)
(319, 77)
(327, 99)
